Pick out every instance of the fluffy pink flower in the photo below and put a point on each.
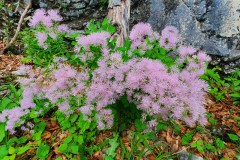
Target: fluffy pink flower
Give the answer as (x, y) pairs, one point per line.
(54, 15)
(63, 28)
(38, 16)
(169, 38)
(42, 37)
(140, 30)
(96, 39)
(184, 50)
(46, 18)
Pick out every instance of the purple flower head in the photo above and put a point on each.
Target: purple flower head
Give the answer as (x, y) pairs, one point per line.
(53, 35)
(184, 50)
(46, 18)
(38, 16)
(63, 28)
(42, 37)
(140, 30)
(169, 38)
(97, 39)
(54, 15)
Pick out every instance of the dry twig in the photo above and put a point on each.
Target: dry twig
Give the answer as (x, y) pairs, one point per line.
(18, 27)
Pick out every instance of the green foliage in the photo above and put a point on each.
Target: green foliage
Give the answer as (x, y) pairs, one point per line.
(37, 54)
(219, 86)
(233, 137)
(187, 138)
(233, 82)
(42, 151)
(162, 126)
(199, 145)
(219, 143)
(111, 151)
(12, 98)
(96, 26)
(215, 82)
(81, 133)
(125, 113)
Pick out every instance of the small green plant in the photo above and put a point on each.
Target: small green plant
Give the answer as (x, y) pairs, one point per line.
(111, 151)
(215, 82)
(234, 84)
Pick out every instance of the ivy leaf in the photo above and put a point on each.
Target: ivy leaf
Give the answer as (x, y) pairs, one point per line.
(233, 137)
(42, 151)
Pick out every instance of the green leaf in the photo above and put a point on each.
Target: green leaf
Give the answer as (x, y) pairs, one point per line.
(187, 138)
(73, 117)
(219, 143)
(233, 137)
(162, 126)
(4, 103)
(3, 151)
(140, 126)
(23, 149)
(63, 148)
(80, 139)
(213, 121)
(68, 139)
(113, 146)
(238, 156)
(176, 128)
(11, 150)
(42, 151)
(74, 149)
(198, 145)
(2, 131)
(209, 147)
(22, 140)
(235, 95)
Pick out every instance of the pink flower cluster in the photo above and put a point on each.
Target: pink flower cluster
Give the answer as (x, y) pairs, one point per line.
(96, 39)
(154, 88)
(59, 84)
(139, 33)
(148, 84)
(169, 37)
(47, 18)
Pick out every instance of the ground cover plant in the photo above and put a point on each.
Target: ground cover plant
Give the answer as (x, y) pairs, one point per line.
(80, 96)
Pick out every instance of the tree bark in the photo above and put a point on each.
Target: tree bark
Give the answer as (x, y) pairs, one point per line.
(119, 15)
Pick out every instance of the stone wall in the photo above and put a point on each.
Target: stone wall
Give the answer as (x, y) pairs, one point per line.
(212, 25)
(76, 13)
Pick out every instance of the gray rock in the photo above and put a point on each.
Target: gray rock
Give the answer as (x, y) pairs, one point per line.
(79, 5)
(212, 25)
(183, 155)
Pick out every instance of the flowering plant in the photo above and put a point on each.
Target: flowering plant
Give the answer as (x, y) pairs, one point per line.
(150, 71)
(45, 38)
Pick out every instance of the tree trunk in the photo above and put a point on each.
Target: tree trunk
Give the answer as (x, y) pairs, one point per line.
(119, 15)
